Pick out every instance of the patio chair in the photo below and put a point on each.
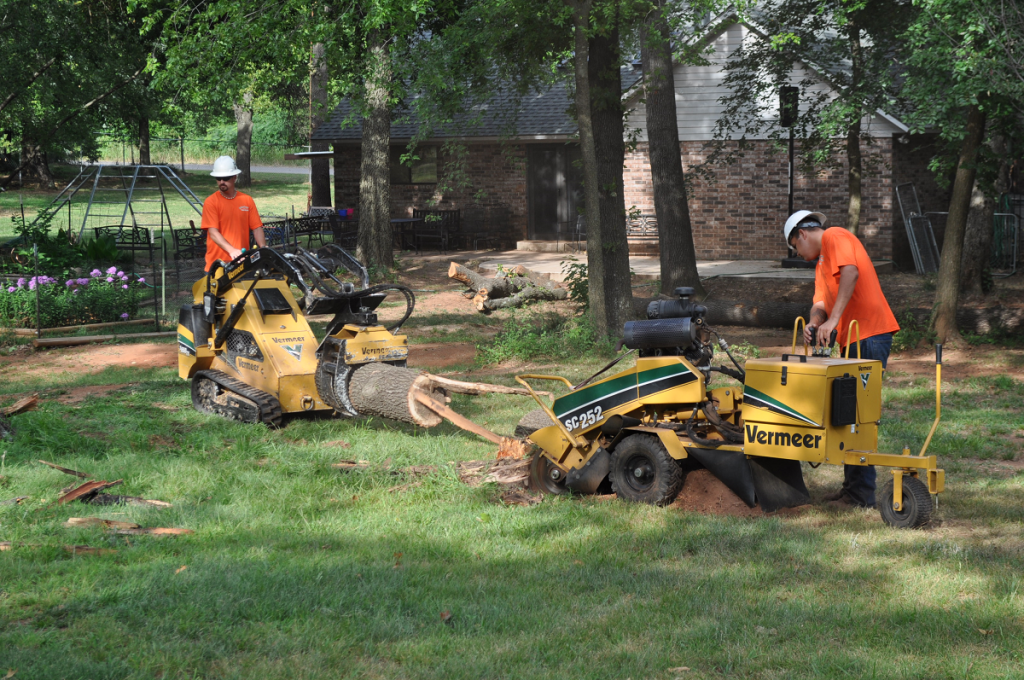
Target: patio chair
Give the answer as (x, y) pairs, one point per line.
(438, 227)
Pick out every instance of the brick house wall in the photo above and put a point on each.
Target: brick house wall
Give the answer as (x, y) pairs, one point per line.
(740, 215)
(498, 176)
(737, 217)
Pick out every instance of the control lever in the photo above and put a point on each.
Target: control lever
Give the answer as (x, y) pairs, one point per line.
(822, 350)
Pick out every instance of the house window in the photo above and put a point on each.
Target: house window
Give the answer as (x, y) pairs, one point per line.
(420, 170)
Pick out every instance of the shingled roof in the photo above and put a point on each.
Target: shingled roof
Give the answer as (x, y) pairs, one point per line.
(542, 114)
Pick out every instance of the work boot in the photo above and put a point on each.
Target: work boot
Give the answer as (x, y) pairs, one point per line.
(843, 502)
(836, 495)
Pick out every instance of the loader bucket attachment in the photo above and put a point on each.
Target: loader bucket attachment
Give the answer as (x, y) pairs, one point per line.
(779, 483)
(731, 468)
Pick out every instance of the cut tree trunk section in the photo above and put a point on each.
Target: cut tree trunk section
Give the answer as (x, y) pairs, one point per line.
(390, 392)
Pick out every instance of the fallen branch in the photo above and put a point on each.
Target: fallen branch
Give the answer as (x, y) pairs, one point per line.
(67, 471)
(456, 419)
(478, 389)
(111, 499)
(347, 465)
(508, 289)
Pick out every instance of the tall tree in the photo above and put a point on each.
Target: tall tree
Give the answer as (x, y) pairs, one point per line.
(961, 83)
(675, 233)
(62, 68)
(320, 168)
(243, 140)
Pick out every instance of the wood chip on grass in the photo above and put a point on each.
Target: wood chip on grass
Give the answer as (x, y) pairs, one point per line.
(88, 550)
(507, 471)
(85, 490)
(20, 406)
(125, 528)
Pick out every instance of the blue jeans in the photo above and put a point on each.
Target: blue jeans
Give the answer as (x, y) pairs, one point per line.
(859, 480)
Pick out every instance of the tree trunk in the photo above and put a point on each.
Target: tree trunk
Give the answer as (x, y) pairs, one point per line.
(977, 243)
(390, 392)
(947, 293)
(675, 234)
(320, 168)
(588, 155)
(35, 162)
(853, 155)
(607, 250)
(375, 237)
(243, 144)
(144, 157)
(975, 279)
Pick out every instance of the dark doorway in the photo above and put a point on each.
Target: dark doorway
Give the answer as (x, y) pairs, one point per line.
(553, 190)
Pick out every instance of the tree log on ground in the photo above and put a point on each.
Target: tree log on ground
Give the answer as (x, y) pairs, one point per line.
(511, 288)
(390, 392)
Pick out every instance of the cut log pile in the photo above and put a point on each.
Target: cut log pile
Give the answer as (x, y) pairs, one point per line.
(511, 288)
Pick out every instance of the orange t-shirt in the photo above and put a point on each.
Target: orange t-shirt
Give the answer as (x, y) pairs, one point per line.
(867, 304)
(234, 218)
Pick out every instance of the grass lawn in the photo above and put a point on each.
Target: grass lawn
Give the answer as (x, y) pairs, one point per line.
(275, 195)
(298, 571)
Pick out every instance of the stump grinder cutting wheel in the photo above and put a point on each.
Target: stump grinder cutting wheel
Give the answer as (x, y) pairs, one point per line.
(251, 355)
(641, 429)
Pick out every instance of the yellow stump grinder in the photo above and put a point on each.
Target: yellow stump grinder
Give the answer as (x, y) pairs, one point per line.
(643, 428)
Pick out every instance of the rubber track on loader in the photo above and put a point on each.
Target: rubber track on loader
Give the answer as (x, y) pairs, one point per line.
(267, 405)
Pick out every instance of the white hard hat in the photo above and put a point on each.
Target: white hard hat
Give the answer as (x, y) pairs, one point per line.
(225, 167)
(798, 217)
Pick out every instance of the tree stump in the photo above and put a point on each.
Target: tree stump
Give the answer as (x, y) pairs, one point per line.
(390, 392)
(511, 288)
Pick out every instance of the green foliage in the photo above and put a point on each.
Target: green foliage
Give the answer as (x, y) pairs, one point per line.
(102, 248)
(526, 336)
(829, 35)
(56, 254)
(577, 280)
(911, 333)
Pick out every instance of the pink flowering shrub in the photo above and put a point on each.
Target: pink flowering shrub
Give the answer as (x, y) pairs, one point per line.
(103, 296)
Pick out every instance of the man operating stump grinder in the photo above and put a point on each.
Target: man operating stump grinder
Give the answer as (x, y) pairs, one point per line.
(845, 288)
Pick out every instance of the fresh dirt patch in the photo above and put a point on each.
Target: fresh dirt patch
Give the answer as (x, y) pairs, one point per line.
(78, 395)
(89, 359)
(704, 493)
(441, 355)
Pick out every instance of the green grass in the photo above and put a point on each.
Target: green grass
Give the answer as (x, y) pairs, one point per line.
(298, 571)
(275, 195)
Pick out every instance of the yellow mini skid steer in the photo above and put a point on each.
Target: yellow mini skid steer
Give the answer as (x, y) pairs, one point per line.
(251, 355)
(643, 428)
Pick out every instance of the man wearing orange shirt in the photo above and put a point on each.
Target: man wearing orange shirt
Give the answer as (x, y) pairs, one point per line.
(845, 288)
(229, 216)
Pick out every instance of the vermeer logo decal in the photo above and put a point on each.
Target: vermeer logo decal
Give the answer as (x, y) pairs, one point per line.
(864, 379)
(294, 350)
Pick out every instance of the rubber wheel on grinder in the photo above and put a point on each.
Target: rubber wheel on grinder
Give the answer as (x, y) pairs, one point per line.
(535, 420)
(643, 472)
(917, 504)
(540, 476)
